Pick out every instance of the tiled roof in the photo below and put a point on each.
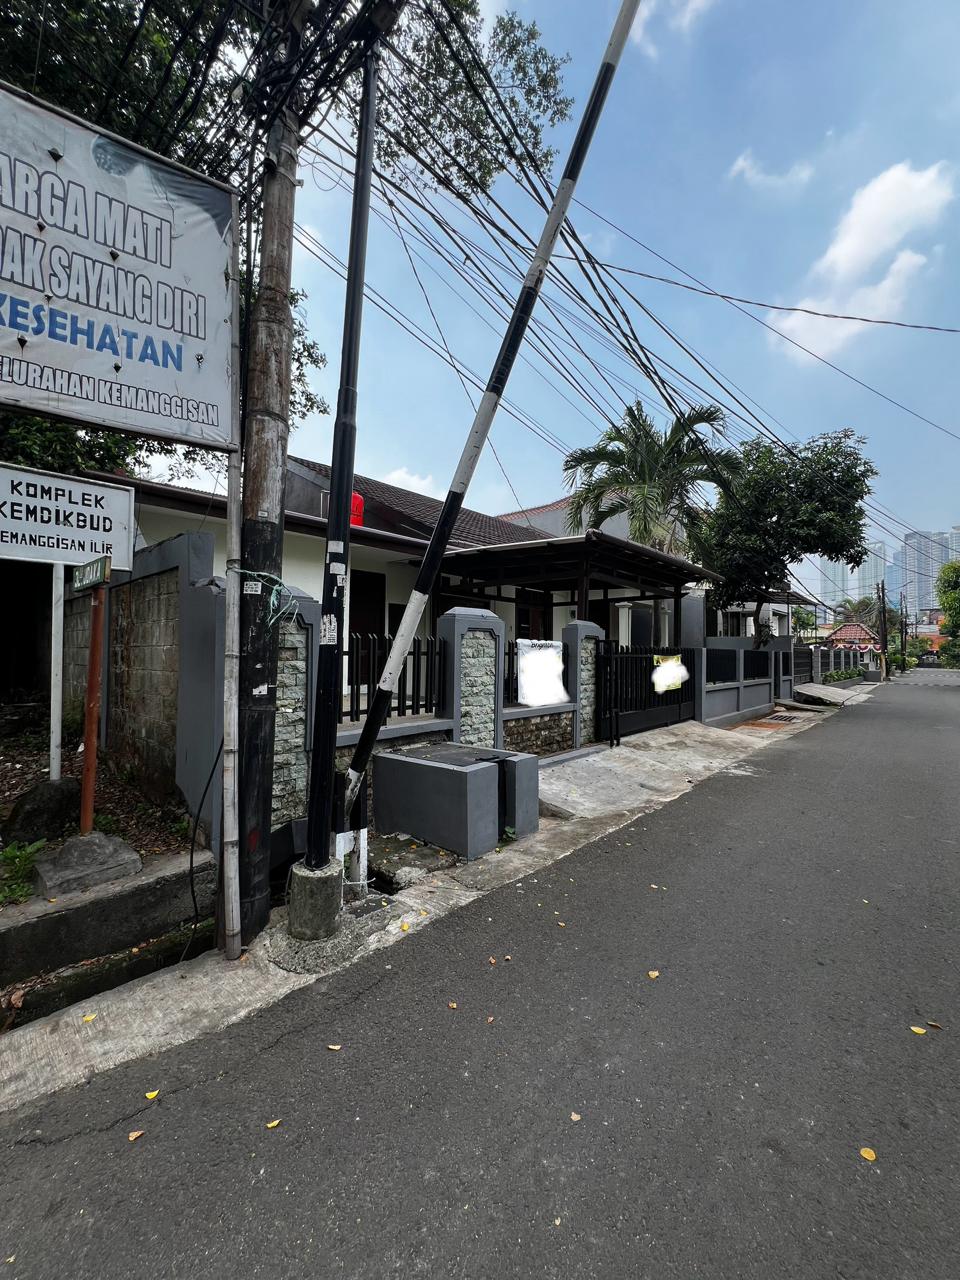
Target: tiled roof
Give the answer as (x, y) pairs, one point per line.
(472, 529)
(853, 633)
(534, 511)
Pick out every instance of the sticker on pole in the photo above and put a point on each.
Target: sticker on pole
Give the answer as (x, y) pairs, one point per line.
(57, 519)
(118, 286)
(668, 672)
(540, 673)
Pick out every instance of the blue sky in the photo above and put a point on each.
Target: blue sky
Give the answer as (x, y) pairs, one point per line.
(796, 154)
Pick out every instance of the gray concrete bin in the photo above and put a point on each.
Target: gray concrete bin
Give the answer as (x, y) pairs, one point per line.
(465, 799)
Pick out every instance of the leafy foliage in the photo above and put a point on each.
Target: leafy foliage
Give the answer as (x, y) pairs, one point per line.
(948, 593)
(804, 620)
(16, 871)
(650, 476)
(786, 506)
(835, 677)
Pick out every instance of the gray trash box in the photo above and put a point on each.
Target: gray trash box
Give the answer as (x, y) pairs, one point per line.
(457, 797)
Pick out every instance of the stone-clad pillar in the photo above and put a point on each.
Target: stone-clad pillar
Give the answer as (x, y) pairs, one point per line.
(473, 681)
(581, 641)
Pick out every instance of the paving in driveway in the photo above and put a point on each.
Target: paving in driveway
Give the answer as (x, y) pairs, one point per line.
(704, 1123)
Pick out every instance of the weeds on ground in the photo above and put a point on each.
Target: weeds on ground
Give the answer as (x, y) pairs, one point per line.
(16, 871)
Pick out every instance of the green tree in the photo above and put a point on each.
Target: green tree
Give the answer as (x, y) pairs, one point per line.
(785, 506)
(948, 593)
(804, 620)
(652, 477)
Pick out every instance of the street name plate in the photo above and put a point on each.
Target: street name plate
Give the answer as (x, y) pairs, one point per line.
(52, 518)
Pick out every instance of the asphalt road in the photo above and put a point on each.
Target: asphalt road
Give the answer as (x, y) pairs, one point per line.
(806, 917)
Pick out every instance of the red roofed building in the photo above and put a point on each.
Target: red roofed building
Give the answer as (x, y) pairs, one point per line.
(851, 635)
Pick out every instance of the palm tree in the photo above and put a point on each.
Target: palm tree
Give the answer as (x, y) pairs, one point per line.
(650, 476)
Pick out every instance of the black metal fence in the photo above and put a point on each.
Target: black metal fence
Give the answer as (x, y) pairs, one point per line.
(627, 699)
(418, 689)
(802, 665)
(756, 664)
(721, 666)
(511, 678)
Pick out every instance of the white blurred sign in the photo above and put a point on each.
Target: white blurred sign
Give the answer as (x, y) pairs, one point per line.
(57, 519)
(117, 282)
(540, 673)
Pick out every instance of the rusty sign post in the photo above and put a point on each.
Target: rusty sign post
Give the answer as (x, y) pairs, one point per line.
(92, 577)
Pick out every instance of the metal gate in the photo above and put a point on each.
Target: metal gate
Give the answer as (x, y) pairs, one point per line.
(627, 701)
(802, 665)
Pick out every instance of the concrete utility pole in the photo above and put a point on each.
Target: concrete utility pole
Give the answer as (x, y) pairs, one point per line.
(903, 632)
(264, 475)
(882, 603)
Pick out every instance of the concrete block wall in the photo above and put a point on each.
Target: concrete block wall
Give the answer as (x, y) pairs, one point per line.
(478, 689)
(144, 670)
(76, 648)
(588, 690)
(541, 735)
(290, 768)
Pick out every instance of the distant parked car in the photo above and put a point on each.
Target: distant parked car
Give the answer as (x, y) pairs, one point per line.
(929, 659)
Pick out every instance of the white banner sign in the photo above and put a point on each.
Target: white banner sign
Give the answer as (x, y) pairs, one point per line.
(116, 282)
(54, 518)
(540, 673)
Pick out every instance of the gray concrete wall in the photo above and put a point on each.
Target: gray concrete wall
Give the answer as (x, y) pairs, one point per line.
(722, 705)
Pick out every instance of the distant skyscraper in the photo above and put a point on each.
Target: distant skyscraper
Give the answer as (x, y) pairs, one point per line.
(924, 554)
(873, 570)
(894, 579)
(834, 582)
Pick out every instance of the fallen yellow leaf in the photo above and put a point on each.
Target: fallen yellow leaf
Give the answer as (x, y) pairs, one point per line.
(561, 925)
(919, 1031)
(424, 912)
(335, 1048)
(493, 959)
(272, 1124)
(556, 1222)
(936, 1026)
(508, 957)
(404, 927)
(575, 1116)
(653, 973)
(489, 1020)
(152, 1094)
(12, 1258)
(89, 1017)
(654, 886)
(51, 899)
(134, 1134)
(868, 1153)
(451, 1004)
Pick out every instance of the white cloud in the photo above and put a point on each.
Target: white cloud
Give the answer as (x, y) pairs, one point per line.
(896, 204)
(892, 206)
(754, 175)
(683, 15)
(405, 479)
(688, 11)
(884, 300)
(638, 32)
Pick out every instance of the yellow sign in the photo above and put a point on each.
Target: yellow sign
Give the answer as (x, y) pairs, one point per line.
(662, 660)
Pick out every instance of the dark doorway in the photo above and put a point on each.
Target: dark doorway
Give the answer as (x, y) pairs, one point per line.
(368, 610)
(25, 640)
(598, 612)
(530, 622)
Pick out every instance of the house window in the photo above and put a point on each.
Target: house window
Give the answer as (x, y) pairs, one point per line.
(732, 623)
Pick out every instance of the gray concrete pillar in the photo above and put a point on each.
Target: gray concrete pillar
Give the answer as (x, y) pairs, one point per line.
(581, 640)
(473, 675)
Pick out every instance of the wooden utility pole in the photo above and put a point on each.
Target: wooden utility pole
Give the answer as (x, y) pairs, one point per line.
(267, 420)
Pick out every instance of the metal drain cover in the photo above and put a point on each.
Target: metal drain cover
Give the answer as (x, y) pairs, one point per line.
(783, 718)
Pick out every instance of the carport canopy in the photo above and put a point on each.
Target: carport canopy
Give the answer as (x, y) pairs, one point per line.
(577, 564)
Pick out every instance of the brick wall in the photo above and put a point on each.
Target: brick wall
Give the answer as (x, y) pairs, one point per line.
(76, 648)
(478, 689)
(542, 735)
(290, 745)
(144, 672)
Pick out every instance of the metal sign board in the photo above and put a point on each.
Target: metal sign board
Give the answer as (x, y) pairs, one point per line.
(117, 281)
(540, 673)
(95, 573)
(58, 519)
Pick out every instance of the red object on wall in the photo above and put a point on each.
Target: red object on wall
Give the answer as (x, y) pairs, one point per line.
(356, 508)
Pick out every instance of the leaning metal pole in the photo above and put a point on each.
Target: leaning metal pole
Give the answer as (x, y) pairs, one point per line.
(522, 311)
(320, 802)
